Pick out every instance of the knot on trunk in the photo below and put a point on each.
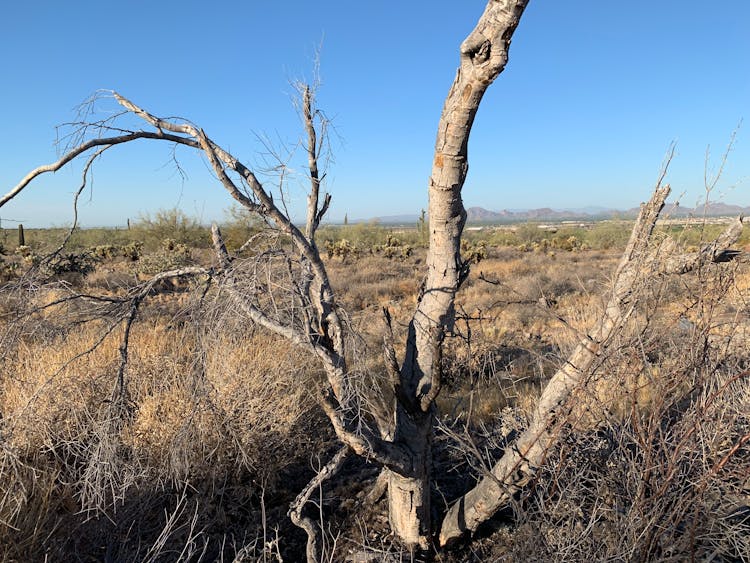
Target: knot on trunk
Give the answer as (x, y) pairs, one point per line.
(481, 53)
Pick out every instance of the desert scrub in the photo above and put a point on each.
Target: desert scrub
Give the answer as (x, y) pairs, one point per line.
(132, 251)
(501, 237)
(376, 282)
(474, 252)
(105, 251)
(239, 226)
(8, 269)
(369, 235)
(341, 249)
(170, 224)
(207, 408)
(570, 243)
(82, 263)
(171, 256)
(393, 248)
(607, 235)
(24, 251)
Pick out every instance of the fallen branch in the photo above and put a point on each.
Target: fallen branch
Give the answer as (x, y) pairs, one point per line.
(517, 467)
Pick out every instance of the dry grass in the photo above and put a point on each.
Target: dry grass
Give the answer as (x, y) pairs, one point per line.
(218, 427)
(206, 407)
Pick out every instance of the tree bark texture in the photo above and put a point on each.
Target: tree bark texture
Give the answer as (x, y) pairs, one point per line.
(483, 56)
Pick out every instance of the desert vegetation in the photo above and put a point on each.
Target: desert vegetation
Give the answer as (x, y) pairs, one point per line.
(281, 391)
(216, 435)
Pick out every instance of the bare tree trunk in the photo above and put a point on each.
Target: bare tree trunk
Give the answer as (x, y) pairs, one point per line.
(518, 465)
(484, 55)
(409, 494)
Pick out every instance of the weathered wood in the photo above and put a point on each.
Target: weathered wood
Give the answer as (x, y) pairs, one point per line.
(517, 467)
(483, 56)
(311, 528)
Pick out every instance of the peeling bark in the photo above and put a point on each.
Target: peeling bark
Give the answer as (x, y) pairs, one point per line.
(483, 56)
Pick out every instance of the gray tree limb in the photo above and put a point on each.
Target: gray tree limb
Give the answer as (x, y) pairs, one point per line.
(517, 467)
(312, 529)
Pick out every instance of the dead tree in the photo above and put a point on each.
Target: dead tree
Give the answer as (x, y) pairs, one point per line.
(404, 449)
(483, 56)
(402, 443)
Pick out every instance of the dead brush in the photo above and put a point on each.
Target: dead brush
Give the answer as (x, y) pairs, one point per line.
(285, 288)
(664, 484)
(376, 282)
(204, 406)
(653, 461)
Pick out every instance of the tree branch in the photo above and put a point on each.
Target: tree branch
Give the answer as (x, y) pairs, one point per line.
(367, 444)
(518, 465)
(716, 251)
(313, 216)
(391, 364)
(483, 56)
(295, 509)
(82, 148)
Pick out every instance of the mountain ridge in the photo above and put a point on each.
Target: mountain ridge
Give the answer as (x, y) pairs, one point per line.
(477, 214)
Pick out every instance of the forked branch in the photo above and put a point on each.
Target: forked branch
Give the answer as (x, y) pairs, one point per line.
(312, 529)
(326, 335)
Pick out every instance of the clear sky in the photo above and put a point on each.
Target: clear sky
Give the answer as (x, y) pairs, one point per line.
(593, 95)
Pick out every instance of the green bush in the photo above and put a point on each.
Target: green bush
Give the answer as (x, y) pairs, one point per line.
(606, 235)
(393, 248)
(474, 252)
(174, 224)
(8, 270)
(529, 233)
(567, 243)
(502, 237)
(105, 251)
(171, 256)
(369, 235)
(85, 239)
(70, 263)
(340, 249)
(239, 226)
(132, 251)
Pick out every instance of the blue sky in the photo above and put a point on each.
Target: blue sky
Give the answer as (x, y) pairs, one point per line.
(594, 94)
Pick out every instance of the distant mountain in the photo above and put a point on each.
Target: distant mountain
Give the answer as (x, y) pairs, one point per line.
(594, 210)
(710, 210)
(481, 215)
(390, 219)
(590, 213)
